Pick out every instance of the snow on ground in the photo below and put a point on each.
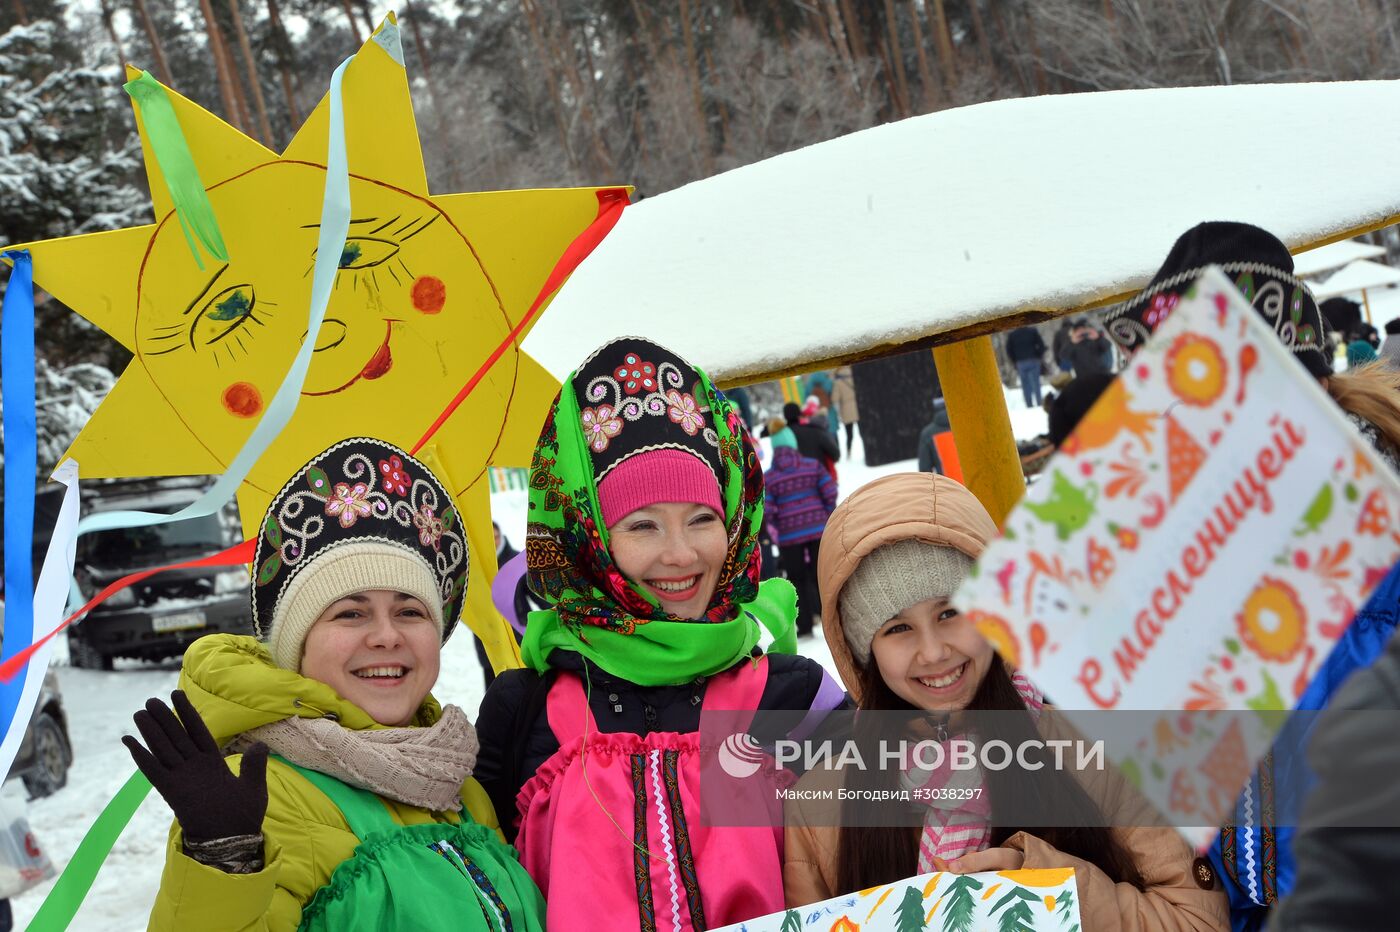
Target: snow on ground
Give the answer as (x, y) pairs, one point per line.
(100, 706)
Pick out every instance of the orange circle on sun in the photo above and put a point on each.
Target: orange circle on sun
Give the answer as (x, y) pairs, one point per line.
(1196, 370)
(429, 294)
(242, 399)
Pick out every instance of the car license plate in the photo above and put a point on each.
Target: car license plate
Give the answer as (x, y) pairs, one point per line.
(178, 621)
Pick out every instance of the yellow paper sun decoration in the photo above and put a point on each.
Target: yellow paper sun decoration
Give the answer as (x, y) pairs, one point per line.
(428, 288)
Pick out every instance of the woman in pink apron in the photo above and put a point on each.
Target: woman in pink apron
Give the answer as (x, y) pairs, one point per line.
(646, 500)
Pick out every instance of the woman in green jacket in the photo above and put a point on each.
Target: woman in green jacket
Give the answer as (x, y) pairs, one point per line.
(366, 815)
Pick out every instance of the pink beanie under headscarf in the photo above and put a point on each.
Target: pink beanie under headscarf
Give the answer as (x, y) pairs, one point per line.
(667, 475)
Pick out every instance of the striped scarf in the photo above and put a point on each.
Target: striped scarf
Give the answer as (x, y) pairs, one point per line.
(958, 826)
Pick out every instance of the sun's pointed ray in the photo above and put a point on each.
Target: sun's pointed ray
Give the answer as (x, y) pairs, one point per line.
(112, 444)
(521, 254)
(535, 389)
(474, 505)
(220, 150)
(252, 506)
(105, 291)
(381, 135)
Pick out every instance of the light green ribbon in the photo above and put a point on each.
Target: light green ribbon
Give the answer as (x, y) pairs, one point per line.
(72, 887)
(172, 153)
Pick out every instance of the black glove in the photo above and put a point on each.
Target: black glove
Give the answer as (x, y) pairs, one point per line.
(185, 767)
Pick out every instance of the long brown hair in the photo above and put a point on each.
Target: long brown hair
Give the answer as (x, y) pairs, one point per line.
(1371, 392)
(871, 855)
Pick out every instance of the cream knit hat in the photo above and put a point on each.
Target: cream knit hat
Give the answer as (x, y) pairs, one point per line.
(889, 580)
(333, 574)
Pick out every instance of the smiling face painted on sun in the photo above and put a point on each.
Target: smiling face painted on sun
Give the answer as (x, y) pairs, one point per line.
(432, 295)
(218, 341)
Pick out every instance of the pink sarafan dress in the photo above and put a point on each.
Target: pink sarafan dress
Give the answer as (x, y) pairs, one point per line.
(611, 832)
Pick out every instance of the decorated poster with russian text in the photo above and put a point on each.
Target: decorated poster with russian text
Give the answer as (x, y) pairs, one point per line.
(1199, 543)
(1039, 900)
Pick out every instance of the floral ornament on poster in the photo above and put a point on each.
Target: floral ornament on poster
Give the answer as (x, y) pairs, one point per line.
(1198, 544)
(1030, 900)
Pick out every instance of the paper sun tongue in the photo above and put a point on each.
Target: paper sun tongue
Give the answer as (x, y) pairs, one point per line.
(380, 363)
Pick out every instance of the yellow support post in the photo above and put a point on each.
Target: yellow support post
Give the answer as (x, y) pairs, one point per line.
(972, 389)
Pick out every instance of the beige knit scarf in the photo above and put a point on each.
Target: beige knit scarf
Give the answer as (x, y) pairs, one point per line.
(422, 767)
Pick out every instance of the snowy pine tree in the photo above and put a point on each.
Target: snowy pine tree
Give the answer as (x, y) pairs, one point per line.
(66, 399)
(69, 164)
(67, 152)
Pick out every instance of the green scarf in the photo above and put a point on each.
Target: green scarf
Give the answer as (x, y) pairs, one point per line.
(598, 612)
(661, 653)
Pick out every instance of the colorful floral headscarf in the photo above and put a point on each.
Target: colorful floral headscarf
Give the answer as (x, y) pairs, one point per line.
(629, 397)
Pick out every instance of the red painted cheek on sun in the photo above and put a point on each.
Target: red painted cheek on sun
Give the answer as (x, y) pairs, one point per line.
(429, 294)
(242, 399)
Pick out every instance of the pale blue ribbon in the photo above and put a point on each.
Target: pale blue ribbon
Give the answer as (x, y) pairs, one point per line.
(335, 226)
(73, 885)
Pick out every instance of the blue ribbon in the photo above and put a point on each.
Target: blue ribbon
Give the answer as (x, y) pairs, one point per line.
(21, 469)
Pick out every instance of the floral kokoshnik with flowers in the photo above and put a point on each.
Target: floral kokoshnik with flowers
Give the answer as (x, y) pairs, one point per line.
(363, 489)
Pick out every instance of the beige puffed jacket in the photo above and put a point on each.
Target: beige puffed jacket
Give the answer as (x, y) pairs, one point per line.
(1181, 892)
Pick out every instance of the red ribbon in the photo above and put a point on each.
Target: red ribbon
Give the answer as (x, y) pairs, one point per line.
(237, 555)
(611, 202)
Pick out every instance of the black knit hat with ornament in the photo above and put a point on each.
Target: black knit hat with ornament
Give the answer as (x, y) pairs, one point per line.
(650, 430)
(1261, 268)
(361, 515)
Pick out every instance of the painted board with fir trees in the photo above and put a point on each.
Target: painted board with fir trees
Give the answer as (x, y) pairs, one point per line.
(1000, 901)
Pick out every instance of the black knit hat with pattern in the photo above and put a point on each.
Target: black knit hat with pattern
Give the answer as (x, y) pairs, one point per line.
(649, 428)
(653, 396)
(361, 515)
(1261, 268)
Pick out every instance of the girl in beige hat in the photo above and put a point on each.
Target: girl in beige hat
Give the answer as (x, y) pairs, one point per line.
(892, 556)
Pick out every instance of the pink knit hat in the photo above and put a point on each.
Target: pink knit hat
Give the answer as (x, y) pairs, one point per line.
(667, 475)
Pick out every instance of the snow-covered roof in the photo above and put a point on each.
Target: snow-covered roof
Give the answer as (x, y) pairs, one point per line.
(1357, 276)
(1333, 256)
(958, 222)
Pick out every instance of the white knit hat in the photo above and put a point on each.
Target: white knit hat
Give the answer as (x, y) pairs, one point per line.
(892, 578)
(334, 573)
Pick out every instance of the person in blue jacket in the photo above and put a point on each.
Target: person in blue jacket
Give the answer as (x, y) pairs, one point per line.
(1254, 856)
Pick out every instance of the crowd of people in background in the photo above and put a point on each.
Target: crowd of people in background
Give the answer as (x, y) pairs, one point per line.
(576, 794)
(1078, 348)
